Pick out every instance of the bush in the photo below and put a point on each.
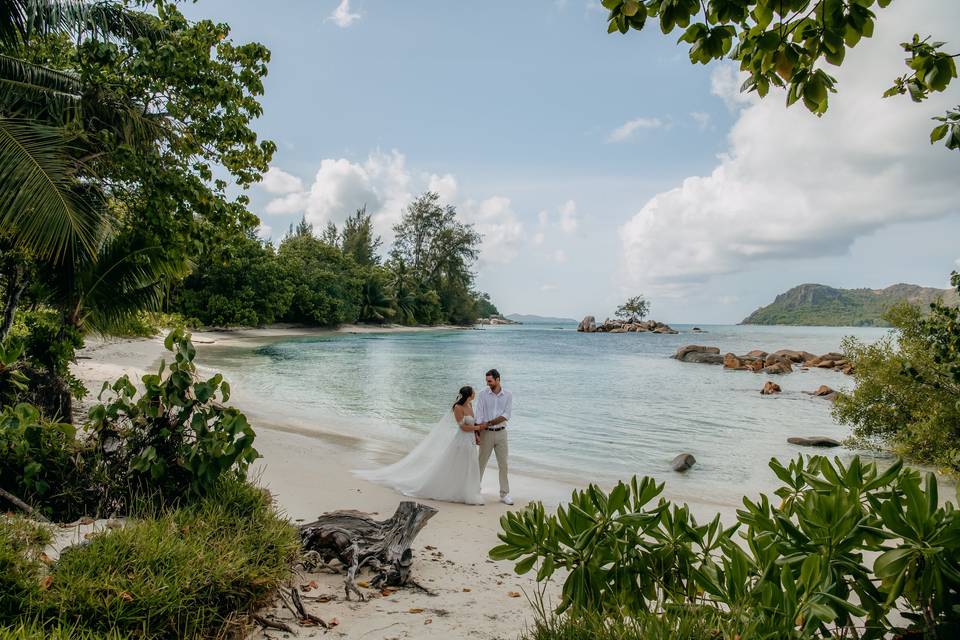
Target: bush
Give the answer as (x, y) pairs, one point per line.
(39, 461)
(21, 542)
(904, 399)
(175, 437)
(187, 572)
(799, 572)
(681, 623)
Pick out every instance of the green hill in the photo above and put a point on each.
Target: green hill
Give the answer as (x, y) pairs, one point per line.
(818, 304)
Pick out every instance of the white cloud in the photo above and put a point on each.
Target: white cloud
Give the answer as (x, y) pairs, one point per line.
(538, 238)
(264, 231)
(548, 287)
(568, 217)
(278, 181)
(340, 187)
(795, 186)
(628, 128)
(559, 256)
(342, 17)
(496, 221)
(385, 185)
(445, 186)
(701, 118)
(725, 82)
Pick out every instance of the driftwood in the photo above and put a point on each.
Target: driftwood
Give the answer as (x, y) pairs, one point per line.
(23, 505)
(358, 541)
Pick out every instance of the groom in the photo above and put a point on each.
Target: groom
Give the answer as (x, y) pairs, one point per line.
(494, 405)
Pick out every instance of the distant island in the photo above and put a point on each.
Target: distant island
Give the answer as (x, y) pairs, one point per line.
(820, 305)
(525, 318)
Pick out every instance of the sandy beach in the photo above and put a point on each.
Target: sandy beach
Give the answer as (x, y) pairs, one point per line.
(307, 467)
(310, 475)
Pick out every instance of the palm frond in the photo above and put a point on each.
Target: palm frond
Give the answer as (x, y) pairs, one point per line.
(21, 20)
(33, 91)
(41, 203)
(124, 281)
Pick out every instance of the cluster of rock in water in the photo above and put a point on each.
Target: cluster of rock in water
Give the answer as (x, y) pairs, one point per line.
(758, 361)
(589, 325)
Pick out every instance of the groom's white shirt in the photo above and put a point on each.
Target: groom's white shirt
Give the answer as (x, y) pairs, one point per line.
(492, 405)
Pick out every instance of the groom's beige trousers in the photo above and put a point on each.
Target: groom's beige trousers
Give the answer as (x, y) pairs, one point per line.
(496, 442)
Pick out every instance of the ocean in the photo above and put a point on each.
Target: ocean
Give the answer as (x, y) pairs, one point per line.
(587, 407)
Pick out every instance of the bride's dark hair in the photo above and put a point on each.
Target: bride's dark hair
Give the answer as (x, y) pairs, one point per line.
(464, 395)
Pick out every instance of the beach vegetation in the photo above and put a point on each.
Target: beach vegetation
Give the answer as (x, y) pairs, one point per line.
(634, 309)
(907, 393)
(194, 571)
(170, 440)
(791, 45)
(839, 550)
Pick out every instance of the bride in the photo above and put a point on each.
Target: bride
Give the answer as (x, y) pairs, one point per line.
(444, 466)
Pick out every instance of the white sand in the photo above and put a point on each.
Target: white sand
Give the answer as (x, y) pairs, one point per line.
(309, 474)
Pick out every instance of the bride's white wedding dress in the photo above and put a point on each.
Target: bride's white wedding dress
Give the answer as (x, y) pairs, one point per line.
(444, 466)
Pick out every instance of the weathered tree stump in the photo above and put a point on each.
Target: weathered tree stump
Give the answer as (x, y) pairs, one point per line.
(357, 540)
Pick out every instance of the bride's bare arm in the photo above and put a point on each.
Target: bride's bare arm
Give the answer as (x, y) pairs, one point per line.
(458, 415)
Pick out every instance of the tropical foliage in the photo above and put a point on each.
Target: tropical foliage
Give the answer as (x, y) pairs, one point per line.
(113, 122)
(785, 43)
(838, 552)
(337, 277)
(190, 572)
(635, 308)
(907, 395)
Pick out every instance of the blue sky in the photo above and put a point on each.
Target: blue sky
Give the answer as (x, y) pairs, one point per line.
(596, 165)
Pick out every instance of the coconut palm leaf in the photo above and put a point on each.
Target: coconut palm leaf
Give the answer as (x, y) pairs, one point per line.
(41, 203)
(32, 90)
(121, 282)
(21, 20)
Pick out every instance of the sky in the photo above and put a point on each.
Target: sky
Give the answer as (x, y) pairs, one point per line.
(601, 166)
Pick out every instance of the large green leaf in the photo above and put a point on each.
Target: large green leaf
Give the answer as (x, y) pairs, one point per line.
(41, 203)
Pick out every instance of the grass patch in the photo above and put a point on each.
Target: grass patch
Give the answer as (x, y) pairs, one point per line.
(687, 623)
(190, 572)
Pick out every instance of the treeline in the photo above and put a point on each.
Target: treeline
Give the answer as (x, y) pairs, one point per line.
(339, 277)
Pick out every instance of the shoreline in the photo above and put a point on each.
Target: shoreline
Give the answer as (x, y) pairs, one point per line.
(308, 473)
(306, 463)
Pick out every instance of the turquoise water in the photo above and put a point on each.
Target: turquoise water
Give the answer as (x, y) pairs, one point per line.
(587, 407)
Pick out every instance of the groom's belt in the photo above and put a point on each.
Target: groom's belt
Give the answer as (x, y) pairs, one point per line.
(497, 428)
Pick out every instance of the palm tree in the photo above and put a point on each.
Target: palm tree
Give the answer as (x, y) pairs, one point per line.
(375, 303)
(51, 203)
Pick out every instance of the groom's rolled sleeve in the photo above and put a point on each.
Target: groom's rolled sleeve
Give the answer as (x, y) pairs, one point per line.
(508, 407)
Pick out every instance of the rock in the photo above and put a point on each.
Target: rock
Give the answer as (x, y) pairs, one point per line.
(783, 366)
(756, 353)
(731, 361)
(588, 324)
(662, 328)
(847, 369)
(682, 352)
(618, 330)
(814, 441)
(794, 356)
(699, 354)
(756, 365)
(824, 364)
(697, 330)
(823, 390)
(770, 388)
(683, 462)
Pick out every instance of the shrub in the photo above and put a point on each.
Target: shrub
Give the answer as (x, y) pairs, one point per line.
(181, 573)
(39, 461)
(21, 541)
(905, 397)
(173, 438)
(800, 571)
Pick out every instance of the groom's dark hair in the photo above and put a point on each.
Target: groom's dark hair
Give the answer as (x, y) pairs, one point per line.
(493, 373)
